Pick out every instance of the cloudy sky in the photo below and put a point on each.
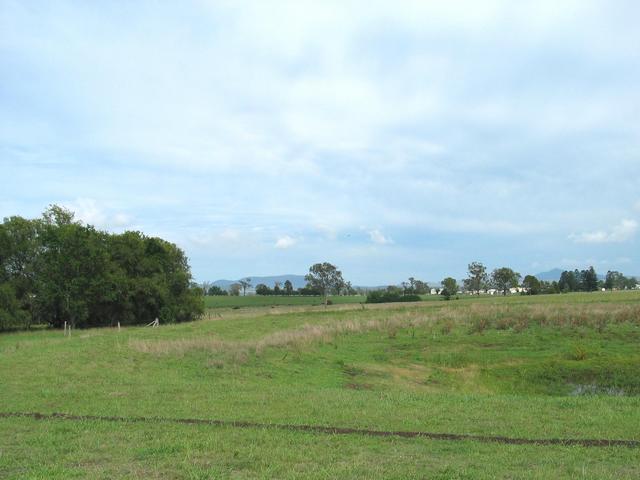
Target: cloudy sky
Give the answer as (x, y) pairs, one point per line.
(393, 139)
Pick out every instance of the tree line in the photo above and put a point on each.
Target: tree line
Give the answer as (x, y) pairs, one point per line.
(503, 280)
(323, 279)
(54, 269)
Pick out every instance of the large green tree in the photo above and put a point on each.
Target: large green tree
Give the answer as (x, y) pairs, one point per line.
(55, 270)
(325, 278)
(532, 285)
(477, 278)
(504, 278)
(449, 287)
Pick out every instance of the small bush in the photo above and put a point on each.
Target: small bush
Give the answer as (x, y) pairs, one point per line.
(380, 296)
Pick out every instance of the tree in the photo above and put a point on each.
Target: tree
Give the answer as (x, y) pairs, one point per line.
(532, 285)
(234, 289)
(276, 288)
(630, 283)
(477, 278)
(216, 290)
(262, 289)
(19, 248)
(421, 287)
(288, 287)
(615, 280)
(504, 278)
(245, 283)
(589, 280)
(450, 287)
(324, 277)
(55, 270)
(568, 282)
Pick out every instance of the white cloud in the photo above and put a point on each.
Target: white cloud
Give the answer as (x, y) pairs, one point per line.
(622, 232)
(419, 118)
(88, 211)
(285, 242)
(377, 236)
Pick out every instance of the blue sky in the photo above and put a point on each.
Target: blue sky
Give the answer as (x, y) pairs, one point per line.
(393, 139)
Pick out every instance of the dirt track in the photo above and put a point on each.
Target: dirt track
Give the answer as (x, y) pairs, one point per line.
(583, 442)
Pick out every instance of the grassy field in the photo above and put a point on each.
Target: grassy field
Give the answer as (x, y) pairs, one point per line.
(228, 301)
(548, 367)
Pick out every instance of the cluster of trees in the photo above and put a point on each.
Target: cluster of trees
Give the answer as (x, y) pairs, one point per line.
(502, 279)
(55, 270)
(391, 294)
(215, 290)
(584, 280)
(578, 281)
(617, 281)
(406, 292)
(570, 281)
(414, 286)
(278, 289)
(323, 279)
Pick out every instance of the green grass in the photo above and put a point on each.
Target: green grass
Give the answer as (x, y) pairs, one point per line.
(490, 366)
(269, 300)
(294, 300)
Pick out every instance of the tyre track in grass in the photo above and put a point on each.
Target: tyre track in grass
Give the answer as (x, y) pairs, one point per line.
(582, 442)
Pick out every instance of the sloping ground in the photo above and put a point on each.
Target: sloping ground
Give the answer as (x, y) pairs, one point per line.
(498, 369)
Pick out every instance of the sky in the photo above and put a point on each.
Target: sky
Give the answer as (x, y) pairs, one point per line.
(392, 139)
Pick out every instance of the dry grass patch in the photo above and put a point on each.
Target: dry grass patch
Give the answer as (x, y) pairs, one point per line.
(475, 318)
(302, 337)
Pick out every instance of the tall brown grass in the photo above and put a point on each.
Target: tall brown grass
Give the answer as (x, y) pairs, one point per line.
(474, 319)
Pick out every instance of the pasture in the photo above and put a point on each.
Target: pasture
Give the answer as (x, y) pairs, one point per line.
(230, 301)
(259, 382)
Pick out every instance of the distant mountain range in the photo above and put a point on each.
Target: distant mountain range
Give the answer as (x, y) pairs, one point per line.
(297, 281)
(550, 275)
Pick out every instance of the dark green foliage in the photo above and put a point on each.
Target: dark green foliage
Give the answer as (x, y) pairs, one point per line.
(325, 278)
(216, 290)
(55, 270)
(532, 285)
(477, 279)
(579, 281)
(450, 288)
(504, 278)
(415, 286)
(589, 280)
(381, 296)
(617, 281)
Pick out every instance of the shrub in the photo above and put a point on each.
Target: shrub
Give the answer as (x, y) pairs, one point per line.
(379, 296)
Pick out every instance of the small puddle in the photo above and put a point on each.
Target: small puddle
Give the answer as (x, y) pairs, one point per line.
(595, 389)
